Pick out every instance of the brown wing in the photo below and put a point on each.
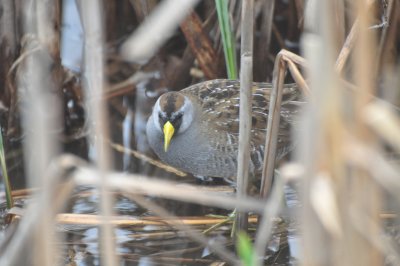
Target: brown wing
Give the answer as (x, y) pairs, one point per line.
(219, 100)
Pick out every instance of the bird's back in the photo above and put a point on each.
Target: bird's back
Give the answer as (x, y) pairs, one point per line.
(219, 101)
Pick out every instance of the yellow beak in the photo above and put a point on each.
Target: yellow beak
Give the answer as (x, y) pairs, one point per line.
(168, 130)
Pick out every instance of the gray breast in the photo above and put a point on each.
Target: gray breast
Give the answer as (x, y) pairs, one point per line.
(194, 152)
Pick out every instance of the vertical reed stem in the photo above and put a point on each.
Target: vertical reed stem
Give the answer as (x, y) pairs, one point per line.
(246, 78)
(94, 86)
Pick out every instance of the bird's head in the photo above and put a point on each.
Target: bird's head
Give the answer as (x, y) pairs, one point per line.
(172, 115)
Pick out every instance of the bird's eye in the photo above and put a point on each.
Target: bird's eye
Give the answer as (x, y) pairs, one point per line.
(162, 119)
(178, 116)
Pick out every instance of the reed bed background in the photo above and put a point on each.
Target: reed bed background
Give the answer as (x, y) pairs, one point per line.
(63, 133)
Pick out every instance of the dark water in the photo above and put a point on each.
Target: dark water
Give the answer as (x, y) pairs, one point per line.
(163, 245)
(141, 245)
(154, 244)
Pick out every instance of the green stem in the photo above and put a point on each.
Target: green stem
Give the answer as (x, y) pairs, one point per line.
(10, 201)
(228, 40)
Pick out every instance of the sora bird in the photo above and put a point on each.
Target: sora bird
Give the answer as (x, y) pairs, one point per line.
(196, 129)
